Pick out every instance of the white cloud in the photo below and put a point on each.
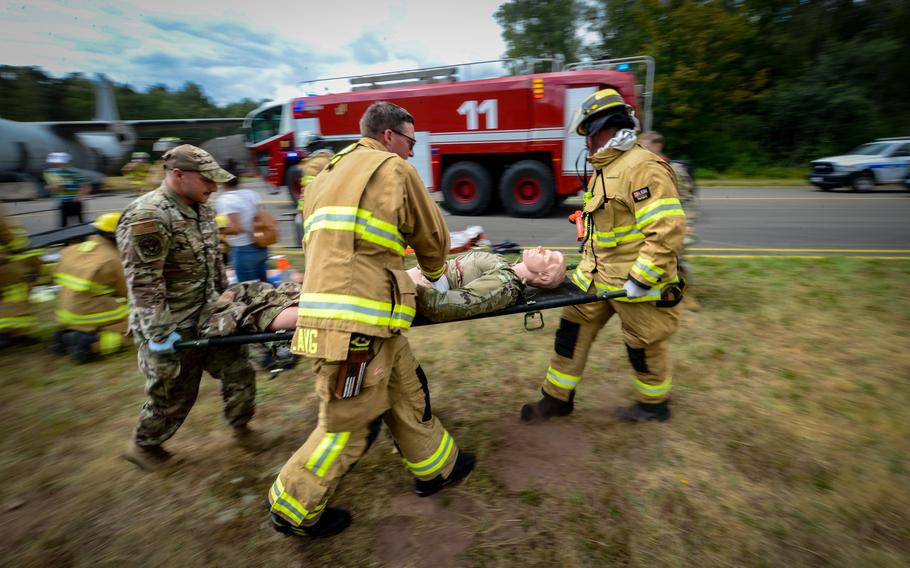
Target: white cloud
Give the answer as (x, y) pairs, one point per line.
(237, 48)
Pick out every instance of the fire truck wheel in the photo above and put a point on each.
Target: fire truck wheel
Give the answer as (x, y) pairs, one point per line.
(527, 189)
(467, 188)
(292, 181)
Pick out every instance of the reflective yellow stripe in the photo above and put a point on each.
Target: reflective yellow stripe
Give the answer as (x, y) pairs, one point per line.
(433, 463)
(652, 295)
(307, 179)
(359, 221)
(341, 154)
(110, 341)
(562, 380)
(647, 270)
(654, 390)
(88, 246)
(17, 292)
(68, 317)
(77, 284)
(579, 279)
(18, 322)
(24, 255)
(434, 275)
(289, 507)
(355, 308)
(666, 207)
(326, 452)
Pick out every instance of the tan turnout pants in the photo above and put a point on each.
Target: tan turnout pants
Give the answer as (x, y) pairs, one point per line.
(646, 329)
(395, 391)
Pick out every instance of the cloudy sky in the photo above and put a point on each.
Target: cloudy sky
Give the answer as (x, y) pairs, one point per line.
(238, 49)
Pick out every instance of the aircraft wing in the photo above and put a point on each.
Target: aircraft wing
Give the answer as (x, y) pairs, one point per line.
(68, 128)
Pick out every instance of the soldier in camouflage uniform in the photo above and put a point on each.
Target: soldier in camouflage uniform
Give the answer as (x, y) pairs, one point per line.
(249, 307)
(168, 242)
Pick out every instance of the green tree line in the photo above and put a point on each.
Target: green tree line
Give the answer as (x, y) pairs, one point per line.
(742, 84)
(29, 94)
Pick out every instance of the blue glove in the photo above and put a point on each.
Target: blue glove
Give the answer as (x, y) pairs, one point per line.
(635, 290)
(165, 347)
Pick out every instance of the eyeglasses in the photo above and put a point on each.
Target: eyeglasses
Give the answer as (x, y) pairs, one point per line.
(411, 141)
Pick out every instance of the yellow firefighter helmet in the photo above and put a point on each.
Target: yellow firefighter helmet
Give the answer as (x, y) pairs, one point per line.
(107, 222)
(222, 221)
(596, 110)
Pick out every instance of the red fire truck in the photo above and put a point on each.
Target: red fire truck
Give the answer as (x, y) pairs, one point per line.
(479, 141)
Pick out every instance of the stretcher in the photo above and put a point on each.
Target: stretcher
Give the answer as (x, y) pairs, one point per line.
(532, 303)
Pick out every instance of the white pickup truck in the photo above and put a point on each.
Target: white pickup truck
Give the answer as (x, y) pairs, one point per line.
(885, 161)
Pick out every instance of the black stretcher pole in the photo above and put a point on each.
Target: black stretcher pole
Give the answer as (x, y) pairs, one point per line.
(525, 307)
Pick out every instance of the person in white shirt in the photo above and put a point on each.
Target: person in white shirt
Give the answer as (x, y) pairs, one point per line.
(240, 206)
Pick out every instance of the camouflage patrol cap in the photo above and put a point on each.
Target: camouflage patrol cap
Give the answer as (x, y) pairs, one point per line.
(189, 158)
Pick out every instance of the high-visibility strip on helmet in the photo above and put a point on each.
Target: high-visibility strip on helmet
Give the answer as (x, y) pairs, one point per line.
(68, 317)
(326, 452)
(562, 380)
(666, 207)
(16, 292)
(433, 463)
(646, 270)
(18, 322)
(289, 507)
(77, 284)
(359, 221)
(654, 391)
(355, 308)
(110, 341)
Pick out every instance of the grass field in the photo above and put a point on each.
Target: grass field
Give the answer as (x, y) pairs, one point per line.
(788, 447)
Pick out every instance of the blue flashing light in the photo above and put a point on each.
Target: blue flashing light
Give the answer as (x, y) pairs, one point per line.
(298, 105)
(292, 154)
(622, 67)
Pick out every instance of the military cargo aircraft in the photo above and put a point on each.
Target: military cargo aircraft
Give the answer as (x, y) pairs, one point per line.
(97, 147)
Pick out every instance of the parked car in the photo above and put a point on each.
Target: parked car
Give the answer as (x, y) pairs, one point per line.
(885, 161)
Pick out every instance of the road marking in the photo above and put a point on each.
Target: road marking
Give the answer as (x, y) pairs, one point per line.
(746, 249)
(276, 201)
(819, 198)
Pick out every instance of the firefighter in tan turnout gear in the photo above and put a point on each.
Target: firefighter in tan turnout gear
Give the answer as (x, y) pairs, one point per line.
(93, 310)
(360, 215)
(634, 231)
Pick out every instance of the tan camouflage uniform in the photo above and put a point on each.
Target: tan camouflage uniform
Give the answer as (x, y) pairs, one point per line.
(173, 268)
(479, 282)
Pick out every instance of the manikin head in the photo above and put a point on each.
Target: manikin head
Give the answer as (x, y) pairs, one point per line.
(541, 267)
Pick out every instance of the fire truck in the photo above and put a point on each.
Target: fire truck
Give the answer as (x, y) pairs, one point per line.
(480, 141)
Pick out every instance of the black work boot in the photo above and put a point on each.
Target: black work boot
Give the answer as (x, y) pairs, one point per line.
(547, 407)
(333, 521)
(58, 342)
(79, 345)
(641, 412)
(464, 465)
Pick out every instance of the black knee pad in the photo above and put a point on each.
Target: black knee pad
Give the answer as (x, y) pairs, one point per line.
(637, 358)
(566, 338)
(422, 377)
(374, 427)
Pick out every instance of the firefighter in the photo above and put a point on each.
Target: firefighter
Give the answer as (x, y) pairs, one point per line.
(19, 265)
(360, 214)
(319, 152)
(137, 171)
(93, 310)
(635, 229)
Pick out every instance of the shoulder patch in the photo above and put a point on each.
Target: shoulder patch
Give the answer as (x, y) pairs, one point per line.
(640, 195)
(144, 228)
(150, 247)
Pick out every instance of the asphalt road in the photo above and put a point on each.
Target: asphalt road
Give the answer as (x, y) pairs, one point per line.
(731, 222)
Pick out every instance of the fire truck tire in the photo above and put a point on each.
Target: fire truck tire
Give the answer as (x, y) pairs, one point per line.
(527, 189)
(292, 181)
(466, 188)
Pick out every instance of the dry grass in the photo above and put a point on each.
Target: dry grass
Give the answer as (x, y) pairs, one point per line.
(788, 446)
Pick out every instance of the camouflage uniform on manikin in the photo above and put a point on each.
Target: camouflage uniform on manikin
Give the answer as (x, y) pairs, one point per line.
(479, 282)
(173, 268)
(636, 231)
(93, 292)
(18, 265)
(253, 308)
(360, 214)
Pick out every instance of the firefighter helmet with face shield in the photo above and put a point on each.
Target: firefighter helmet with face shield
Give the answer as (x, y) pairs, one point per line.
(597, 110)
